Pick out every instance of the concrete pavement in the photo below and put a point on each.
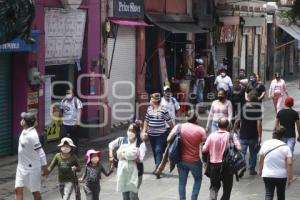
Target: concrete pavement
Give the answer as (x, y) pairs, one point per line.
(166, 188)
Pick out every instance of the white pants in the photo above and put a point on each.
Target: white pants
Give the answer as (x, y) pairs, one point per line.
(30, 180)
(66, 190)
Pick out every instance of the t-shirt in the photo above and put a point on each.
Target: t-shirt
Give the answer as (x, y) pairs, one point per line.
(191, 137)
(275, 161)
(287, 118)
(223, 82)
(249, 117)
(157, 120)
(28, 157)
(70, 111)
(172, 106)
(65, 173)
(216, 145)
(199, 71)
(92, 174)
(256, 89)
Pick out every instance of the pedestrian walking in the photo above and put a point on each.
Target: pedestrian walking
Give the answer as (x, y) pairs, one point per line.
(250, 132)
(131, 151)
(288, 118)
(237, 98)
(32, 162)
(219, 108)
(71, 109)
(256, 88)
(224, 82)
(191, 136)
(155, 128)
(170, 103)
(67, 163)
(276, 165)
(199, 82)
(216, 146)
(277, 90)
(92, 174)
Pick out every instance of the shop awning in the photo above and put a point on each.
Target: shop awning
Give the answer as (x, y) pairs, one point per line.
(126, 22)
(292, 30)
(176, 23)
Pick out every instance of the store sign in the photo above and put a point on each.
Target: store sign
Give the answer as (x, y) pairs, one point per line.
(227, 33)
(19, 45)
(64, 31)
(128, 8)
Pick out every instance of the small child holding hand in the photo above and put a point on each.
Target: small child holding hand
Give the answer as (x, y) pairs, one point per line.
(92, 174)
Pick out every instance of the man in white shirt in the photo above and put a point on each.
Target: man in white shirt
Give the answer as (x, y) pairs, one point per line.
(170, 103)
(31, 159)
(223, 81)
(71, 109)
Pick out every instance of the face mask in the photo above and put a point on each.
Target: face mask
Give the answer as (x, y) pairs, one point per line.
(95, 159)
(65, 149)
(223, 74)
(131, 135)
(69, 96)
(221, 98)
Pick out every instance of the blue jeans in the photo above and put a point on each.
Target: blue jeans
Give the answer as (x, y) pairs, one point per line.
(198, 89)
(214, 126)
(157, 144)
(291, 143)
(183, 172)
(252, 144)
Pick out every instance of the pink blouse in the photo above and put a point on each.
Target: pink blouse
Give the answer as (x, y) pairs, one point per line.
(277, 88)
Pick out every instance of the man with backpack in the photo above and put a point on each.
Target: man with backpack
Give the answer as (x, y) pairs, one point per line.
(170, 103)
(191, 136)
(216, 146)
(71, 109)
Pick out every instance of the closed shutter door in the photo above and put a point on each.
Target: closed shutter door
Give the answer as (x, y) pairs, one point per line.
(221, 52)
(121, 85)
(5, 105)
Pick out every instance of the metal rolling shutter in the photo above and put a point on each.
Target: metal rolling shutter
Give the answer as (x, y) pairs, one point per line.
(123, 71)
(221, 52)
(5, 105)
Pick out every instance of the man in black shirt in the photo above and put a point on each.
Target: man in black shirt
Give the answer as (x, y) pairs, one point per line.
(256, 88)
(250, 132)
(288, 118)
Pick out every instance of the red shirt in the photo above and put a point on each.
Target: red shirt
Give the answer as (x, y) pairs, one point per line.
(192, 136)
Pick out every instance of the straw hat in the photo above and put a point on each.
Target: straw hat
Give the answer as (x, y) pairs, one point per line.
(67, 140)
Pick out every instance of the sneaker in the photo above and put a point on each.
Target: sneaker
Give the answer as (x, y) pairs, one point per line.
(252, 173)
(157, 175)
(241, 173)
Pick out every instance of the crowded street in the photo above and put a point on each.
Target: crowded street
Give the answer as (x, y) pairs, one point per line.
(249, 187)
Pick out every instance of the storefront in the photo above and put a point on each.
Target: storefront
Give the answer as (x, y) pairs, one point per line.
(123, 20)
(7, 53)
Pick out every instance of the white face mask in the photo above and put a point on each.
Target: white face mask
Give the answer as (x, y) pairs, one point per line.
(65, 149)
(69, 96)
(131, 135)
(223, 74)
(95, 160)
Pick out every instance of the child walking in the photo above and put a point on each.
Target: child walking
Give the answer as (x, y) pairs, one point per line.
(92, 174)
(67, 164)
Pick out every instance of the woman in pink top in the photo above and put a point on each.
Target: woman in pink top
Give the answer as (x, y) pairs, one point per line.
(219, 108)
(215, 146)
(277, 90)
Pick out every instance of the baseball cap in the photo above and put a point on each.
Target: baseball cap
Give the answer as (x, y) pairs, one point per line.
(289, 102)
(167, 88)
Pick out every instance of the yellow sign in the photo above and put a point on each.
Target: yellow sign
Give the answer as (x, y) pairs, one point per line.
(53, 131)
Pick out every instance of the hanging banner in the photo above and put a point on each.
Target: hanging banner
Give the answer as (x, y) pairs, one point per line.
(227, 33)
(64, 30)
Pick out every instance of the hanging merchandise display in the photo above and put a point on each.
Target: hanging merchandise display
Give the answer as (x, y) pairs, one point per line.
(16, 17)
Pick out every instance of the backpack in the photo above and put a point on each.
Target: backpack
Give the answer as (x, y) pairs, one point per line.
(234, 160)
(175, 147)
(75, 104)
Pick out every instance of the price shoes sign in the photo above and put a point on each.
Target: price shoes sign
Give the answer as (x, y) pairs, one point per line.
(133, 9)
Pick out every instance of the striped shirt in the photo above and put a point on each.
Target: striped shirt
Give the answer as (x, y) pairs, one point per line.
(157, 120)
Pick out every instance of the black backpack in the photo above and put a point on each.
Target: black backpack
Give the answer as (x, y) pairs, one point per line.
(234, 160)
